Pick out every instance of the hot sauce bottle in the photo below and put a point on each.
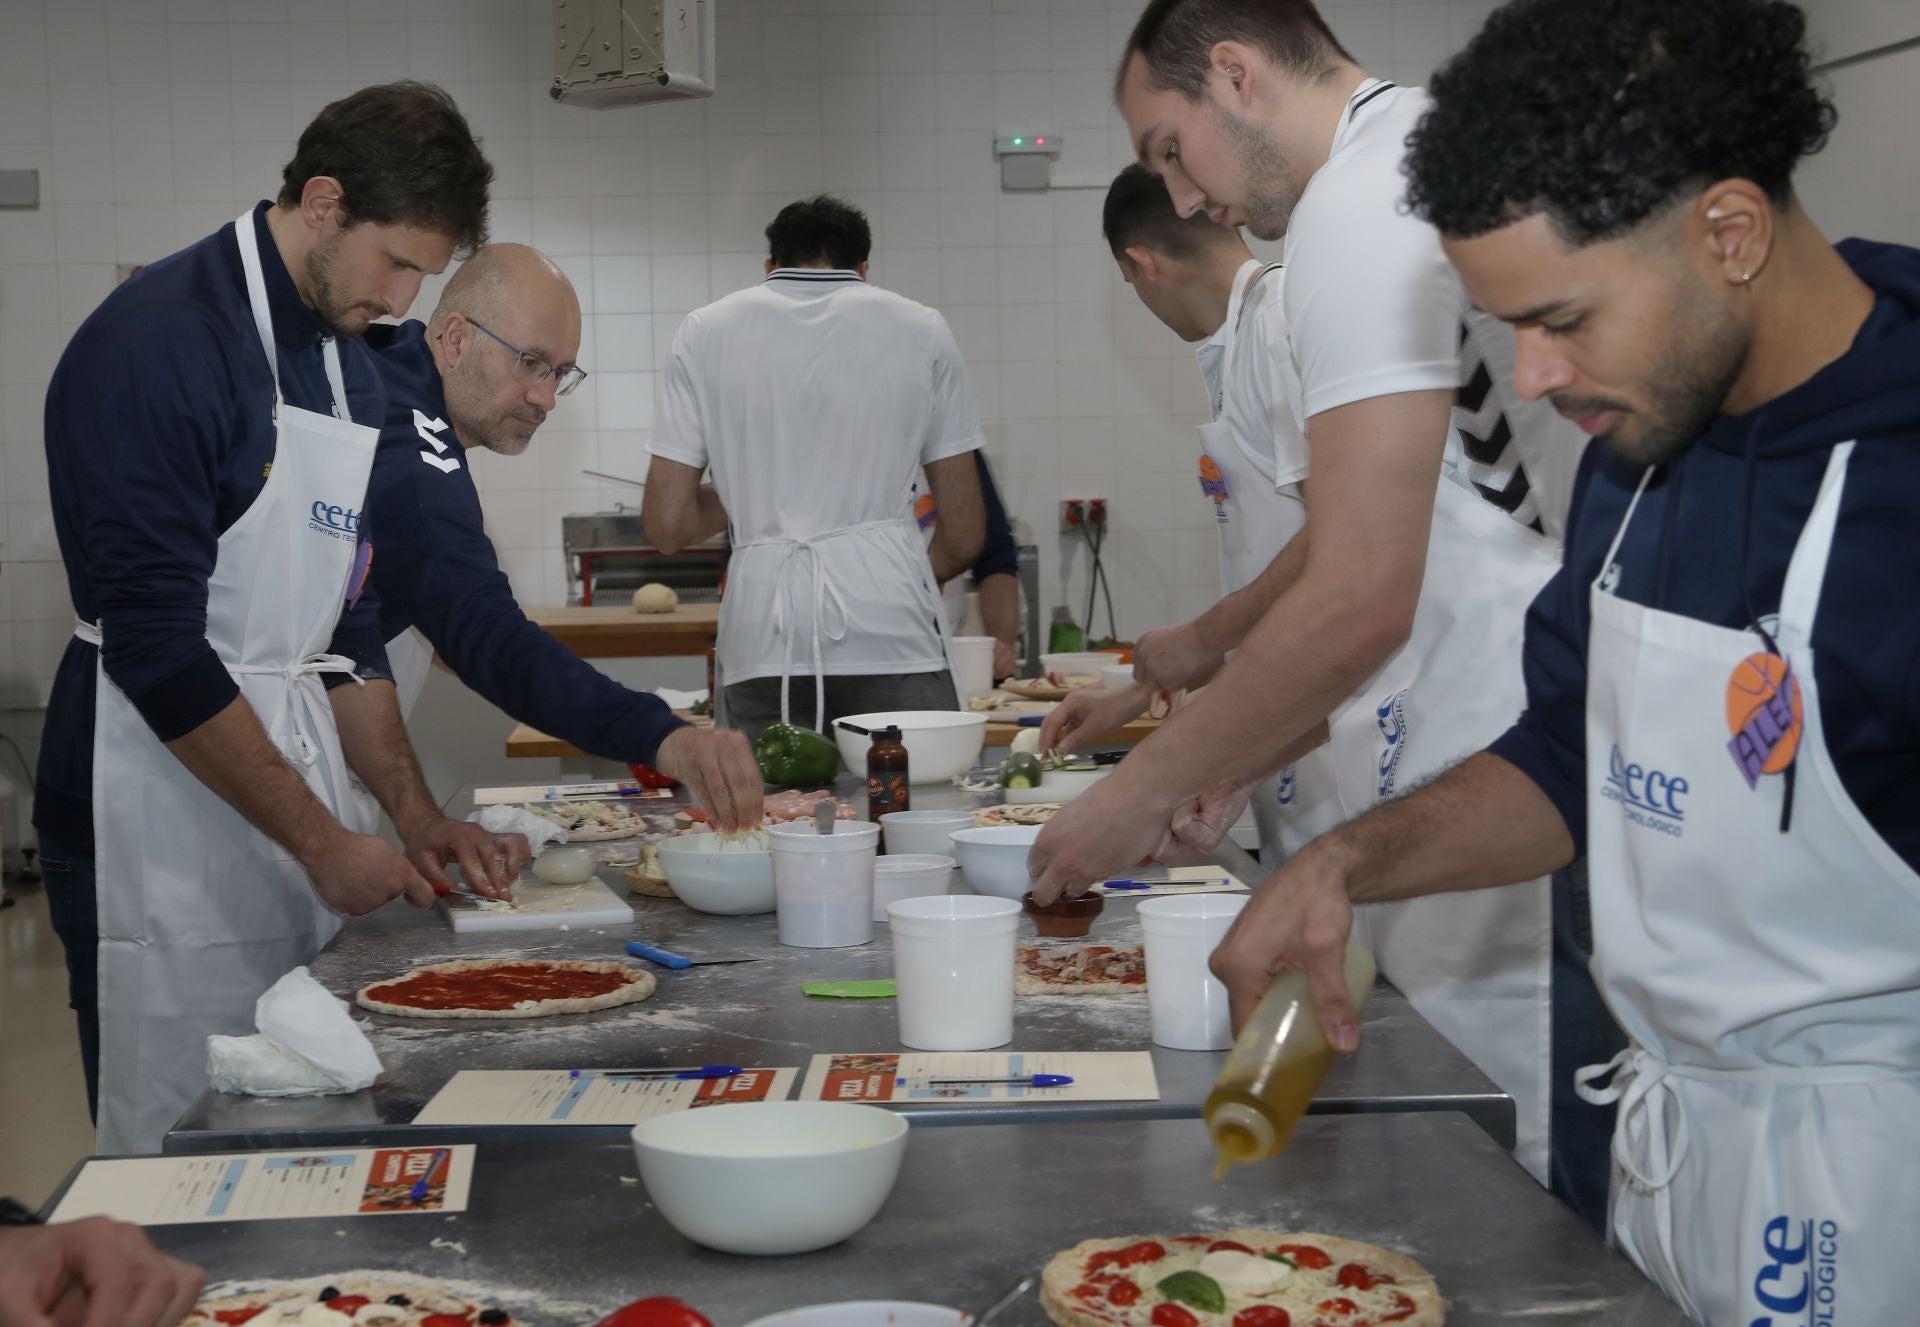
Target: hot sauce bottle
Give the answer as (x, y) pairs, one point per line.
(886, 774)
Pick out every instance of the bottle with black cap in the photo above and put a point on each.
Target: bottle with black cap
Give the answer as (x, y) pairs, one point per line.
(887, 786)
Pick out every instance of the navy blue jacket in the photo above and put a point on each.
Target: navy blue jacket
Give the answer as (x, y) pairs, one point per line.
(1711, 540)
(434, 568)
(159, 433)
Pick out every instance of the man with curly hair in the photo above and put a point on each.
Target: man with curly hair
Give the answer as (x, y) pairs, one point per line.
(1721, 701)
(1396, 618)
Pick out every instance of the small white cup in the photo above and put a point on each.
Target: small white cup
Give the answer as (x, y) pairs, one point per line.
(1187, 1004)
(953, 971)
(973, 665)
(923, 831)
(904, 875)
(823, 883)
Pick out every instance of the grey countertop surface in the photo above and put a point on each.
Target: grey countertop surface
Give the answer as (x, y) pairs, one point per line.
(975, 1209)
(754, 1014)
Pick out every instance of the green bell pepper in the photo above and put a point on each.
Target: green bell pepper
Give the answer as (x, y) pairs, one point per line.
(790, 756)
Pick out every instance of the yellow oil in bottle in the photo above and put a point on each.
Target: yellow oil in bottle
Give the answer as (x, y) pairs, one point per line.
(1274, 1068)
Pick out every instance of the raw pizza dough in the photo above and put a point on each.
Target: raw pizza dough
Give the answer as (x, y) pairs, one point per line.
(1333, 1282)
(636, 985)
(1051, 687)
(647, 877)
(1078, 968)
(1030, 813)
(653, 597)
(591, 822)
(366, 1299)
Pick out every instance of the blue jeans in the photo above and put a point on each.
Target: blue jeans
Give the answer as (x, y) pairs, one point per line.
(73, 904)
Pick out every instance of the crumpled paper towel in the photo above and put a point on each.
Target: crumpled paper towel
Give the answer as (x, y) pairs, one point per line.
(680, 700)
(308, 1046)
(516, 820)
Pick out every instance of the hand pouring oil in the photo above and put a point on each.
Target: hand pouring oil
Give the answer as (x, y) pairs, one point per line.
(1275, 1067)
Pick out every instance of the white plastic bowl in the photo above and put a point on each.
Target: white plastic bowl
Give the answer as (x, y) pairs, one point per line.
(731, 883)
(771, 1177)
(940, 743)
(1084, 663)
(994, 858)
(923, 831)
(867, 1313)
(1116, 677)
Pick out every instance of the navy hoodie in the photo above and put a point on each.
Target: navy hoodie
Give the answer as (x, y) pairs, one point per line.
(434, 568)
(1711, 540)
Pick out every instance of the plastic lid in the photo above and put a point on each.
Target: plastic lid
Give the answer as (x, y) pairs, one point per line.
(888, 734)
(1238, 1115)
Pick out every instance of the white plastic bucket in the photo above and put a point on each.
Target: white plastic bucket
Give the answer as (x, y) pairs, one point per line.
(909, 875)
(823, 883)
(953, 971)
(1187, 1004)
(923, 831)
(973, 665)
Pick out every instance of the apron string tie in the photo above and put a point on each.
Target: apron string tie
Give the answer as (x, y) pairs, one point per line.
(1640, 1145)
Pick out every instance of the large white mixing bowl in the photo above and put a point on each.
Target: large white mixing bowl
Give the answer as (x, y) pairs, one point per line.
(940, 743)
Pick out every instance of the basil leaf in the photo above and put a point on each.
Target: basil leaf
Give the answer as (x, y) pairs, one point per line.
(1195, 1290)
(1281, 1257)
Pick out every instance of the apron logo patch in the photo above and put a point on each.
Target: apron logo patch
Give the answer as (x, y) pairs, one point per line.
(1288, 789)
(1801, 1274)
(1214, 485)
(1650, 797)
(334, 521)
(924, 512)
(1391, 718)
(1765, 715)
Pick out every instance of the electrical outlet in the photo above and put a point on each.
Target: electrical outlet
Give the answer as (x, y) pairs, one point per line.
(1073, 514)
(1097, 513)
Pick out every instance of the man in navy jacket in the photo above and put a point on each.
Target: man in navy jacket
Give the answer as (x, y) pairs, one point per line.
(484, 372)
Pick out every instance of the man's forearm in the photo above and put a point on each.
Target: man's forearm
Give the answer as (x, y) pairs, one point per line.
(232, 754)
(373, 737)
(1227, 623)
(1481, 824)
(709, 516)
(1000, 608)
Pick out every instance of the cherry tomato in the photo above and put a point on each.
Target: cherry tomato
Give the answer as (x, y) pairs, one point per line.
(1172, 1315)
(660, 1311)
(234, 1317)
(1314, 1260)
(1102, 1260)
(1145, 1251)
(347, 1304)
(1227, 1244)
(1122, 1292)
(1403, 1308)
(1088, 1290)
(1263, 1315)
(1355, 1277)
(649, 777)
(1340, 1305)
(445, 1320)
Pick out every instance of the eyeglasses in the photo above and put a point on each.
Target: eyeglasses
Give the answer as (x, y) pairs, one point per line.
(537, 368)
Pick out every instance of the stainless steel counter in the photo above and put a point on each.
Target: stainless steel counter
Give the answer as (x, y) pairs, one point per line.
(976, 1208)
(755, 1014)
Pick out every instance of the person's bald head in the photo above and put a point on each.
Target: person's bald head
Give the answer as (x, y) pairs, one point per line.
(506, 295)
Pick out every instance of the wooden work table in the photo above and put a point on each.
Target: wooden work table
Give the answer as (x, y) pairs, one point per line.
(617, 632)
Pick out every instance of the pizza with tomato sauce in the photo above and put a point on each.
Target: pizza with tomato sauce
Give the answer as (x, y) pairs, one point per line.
(502, 988)
(1078, 968)
(358, 1299)
(1238, 1278)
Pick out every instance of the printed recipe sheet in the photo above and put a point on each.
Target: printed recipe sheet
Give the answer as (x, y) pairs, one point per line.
(559, 1097)
(966, 1077)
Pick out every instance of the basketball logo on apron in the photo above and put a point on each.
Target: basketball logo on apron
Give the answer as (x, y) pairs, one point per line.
(1214, 485)
(1765, 716)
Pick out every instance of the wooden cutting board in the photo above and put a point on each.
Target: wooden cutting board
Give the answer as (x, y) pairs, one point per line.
(540, 906)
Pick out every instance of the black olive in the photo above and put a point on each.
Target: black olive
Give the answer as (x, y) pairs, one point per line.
(493, 1317)
(400, 1301)
(331, 1292)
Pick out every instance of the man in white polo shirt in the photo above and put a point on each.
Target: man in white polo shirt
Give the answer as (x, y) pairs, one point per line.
(815, 398)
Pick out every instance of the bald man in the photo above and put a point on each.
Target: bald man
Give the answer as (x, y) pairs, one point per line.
(484, 371)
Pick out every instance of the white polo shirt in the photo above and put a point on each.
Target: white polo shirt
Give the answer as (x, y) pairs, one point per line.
(815, 398)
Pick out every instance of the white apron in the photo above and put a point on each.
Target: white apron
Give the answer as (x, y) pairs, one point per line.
(1770, 981)
(1256, 521)
(1476, 965)
(802, 569)
(410, 659)
(199, 911)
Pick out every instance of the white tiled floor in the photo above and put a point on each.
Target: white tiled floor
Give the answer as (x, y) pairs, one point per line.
(43, 1095)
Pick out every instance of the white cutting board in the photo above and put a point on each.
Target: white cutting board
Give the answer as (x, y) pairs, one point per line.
(540, 906)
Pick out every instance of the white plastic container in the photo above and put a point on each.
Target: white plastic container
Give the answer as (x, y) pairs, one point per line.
(953, 971)
(1116, 677)
(903, 875)
(973, 665)
(923, 831)
(940, 743)
(867, 1313)
(1186, 1002)
(823, 883)
(994, 858)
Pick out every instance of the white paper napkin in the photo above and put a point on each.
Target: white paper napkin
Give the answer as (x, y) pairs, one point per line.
(518, 820)
(308, 1045)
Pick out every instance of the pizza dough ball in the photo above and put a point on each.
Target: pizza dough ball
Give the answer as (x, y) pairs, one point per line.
(565, 864)
(653, 597)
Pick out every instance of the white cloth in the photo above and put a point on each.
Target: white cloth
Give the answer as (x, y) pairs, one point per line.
(308, 1045)
(1768, 972)
(1253, 455)
(1373, 308)
(199, 911)
(501, 819)
(814, 398)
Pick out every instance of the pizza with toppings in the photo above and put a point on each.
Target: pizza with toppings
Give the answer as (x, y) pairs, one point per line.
(372, 1299)
(500, 988)
(1078, 969)
(590, 822)
(1239, 1278)
(1033, 813)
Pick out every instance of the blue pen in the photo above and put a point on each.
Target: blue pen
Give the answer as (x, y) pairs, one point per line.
(663, 957)
(699, 1072)
(425, 1182)
(1127, 884)
(1025, 1080)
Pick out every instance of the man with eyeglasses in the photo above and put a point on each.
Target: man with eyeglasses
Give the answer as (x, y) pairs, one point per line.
(485, 371)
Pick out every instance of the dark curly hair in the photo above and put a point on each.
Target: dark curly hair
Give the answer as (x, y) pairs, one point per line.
(1600, 113)
(404, 156)
(817, 229)
(1176, 39)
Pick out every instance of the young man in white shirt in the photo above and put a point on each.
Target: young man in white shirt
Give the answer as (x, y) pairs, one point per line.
(1398, 619)
(815, 398)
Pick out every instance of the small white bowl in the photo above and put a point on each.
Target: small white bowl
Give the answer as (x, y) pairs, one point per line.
(730, 883)
(1084, 663)
(1116, 677)
(994, 858)
(867, 1313)
(940, 743)
(923, 831)
(771, 1177)
(567, 863)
